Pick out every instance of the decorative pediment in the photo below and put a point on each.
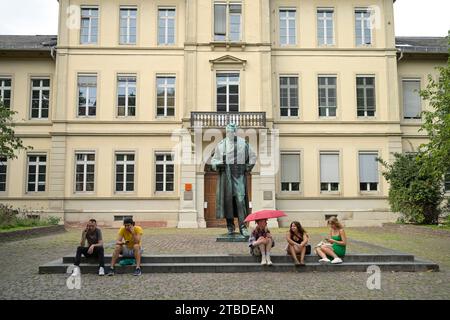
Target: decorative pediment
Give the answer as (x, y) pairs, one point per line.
(228, 60)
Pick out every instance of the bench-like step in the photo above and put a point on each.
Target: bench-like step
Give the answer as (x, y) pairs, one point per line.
(215, 267)
(374, 258)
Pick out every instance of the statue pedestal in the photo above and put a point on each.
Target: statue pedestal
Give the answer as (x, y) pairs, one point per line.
(234, 237)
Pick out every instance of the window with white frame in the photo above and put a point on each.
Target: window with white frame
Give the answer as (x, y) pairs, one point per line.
(128, 18)
(447, 181)
(290, 172)
(40, 98)
(3, 171)
(329, 171)
(325, 27)
(288, 96)
(412, 103)
(368, 171)
(126, 95)
(125, 163)
(165, 172)
(287, 26)
(166, 26)
(227, 21)
(365, 96)
(327, 96)
(5, 92)
(165, 99)
(227, 92)
(85, 171)
(363, 27)
(37, 166)
(89, 25)
(87, 95)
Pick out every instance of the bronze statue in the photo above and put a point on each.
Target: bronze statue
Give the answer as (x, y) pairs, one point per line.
(233, 158)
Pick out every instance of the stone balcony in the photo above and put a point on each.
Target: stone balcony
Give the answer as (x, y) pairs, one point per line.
(222, 119)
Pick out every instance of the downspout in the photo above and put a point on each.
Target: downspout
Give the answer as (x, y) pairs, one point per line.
(401, 55)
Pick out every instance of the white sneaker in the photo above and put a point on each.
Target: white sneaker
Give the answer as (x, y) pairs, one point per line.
(325, 260)
(101, 271)
(263, 260)
(269, 262)
(76, 271)
(336, 260)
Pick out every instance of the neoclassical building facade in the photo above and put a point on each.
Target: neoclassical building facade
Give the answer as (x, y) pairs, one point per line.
(121, 106)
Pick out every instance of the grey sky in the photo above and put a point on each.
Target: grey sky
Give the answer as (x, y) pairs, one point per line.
(412, 17)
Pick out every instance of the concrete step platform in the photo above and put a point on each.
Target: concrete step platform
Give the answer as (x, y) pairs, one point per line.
(238, 263)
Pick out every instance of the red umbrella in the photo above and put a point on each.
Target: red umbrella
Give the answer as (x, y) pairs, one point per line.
(265, 214)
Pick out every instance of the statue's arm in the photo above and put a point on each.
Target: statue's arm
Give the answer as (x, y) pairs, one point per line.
(251, 158)
(216, 160)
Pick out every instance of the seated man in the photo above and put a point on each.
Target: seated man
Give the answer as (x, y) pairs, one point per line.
(93, 235)
(128, 244)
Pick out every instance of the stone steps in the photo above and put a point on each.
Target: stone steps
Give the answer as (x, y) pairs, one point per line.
(245, 263)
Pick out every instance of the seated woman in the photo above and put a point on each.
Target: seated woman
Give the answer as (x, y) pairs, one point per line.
(338, 241)
(261, 241)
(297, 239)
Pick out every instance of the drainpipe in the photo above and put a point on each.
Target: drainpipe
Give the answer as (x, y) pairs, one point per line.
(401, 55)
(52, 52)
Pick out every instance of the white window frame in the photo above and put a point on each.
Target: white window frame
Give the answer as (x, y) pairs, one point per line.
(360, 20)
(326, 21)
(85, 162)
(166, 19)
(165, 87)
(288, 87)
(228, 15)
(127, 85)
(4, 88)
(89, 17)
(125, 162)
(86, 115)
(128, 17)
(298, 154)
(327, 86)
(329, 184)
(41, 88)
(365, 87)
(368, 190)
(403, 99)
(4, 164)
(164, 163)
(36, 163)
(286, 22)
(228, 83)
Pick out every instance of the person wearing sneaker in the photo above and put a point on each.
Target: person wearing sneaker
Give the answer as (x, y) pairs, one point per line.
(338, 241)
(297, 239)
(128, 245)
(93, 236)
(261, 241)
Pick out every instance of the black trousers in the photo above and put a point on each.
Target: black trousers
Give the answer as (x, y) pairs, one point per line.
(98, 252)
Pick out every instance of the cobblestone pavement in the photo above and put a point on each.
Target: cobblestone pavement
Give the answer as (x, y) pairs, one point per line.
(19, 262)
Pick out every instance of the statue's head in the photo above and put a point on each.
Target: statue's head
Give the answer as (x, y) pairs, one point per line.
(231, 128)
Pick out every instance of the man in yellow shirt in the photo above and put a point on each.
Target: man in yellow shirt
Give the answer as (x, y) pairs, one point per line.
(128, 244)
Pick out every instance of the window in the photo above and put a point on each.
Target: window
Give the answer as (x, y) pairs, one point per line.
(329, 172)
(325, 27)
(227, 27)
(287, 26)
(128, 25)
(36, 173)
(164, 172)
(87, 95)
(228, 92)
(368, 171)
(84, 173)
(363, 27)
(412, 105)
(289, 96)
(365, 96)
(126, 96)
(124, 172)
(166, 26)
(40, 96)
(89, 25)
(3, 171)
(447, 182)
(165, 96)
(5, 92)
(327, 96)
(290, 172)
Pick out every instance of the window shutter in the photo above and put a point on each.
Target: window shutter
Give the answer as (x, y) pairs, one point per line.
(411, 99)
(290, 169)
(368, 168)
(329, 168)
(220, 19)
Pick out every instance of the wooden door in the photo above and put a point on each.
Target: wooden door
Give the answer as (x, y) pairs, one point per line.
(210, 199)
